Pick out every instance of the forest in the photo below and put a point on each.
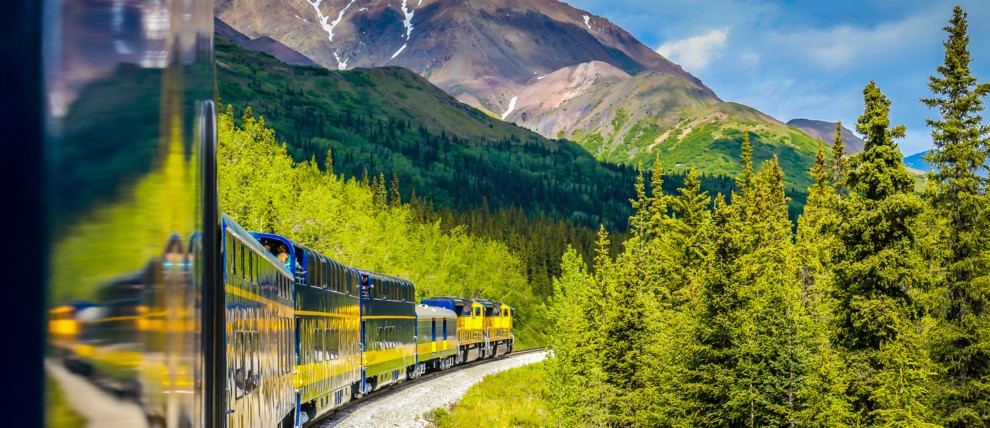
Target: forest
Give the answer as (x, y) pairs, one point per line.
(871, 312)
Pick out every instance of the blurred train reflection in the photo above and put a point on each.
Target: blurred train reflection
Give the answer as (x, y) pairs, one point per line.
(130, 188)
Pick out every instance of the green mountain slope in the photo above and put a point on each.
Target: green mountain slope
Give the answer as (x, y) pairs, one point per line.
(631, 119)
(391, 121)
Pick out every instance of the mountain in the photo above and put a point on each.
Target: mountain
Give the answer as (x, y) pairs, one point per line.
(550, 67)
(826, 131)
(479, 51)
(389, 120)
(633, 119)
(262, 44)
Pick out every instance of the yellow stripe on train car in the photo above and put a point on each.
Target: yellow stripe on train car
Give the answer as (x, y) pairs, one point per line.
(307, 374)
(371, 358)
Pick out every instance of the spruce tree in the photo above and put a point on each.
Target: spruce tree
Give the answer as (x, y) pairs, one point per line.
(823, 395)
(566, 385)
(598, 395)
(840, 165)
(957, 197)
(877, 278)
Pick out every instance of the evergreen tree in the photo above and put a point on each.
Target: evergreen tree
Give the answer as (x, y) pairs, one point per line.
(394, 197)
(957, 196)
(877, 278)
(598, 291)
(687, 236)
(566, 385)
(840, 165)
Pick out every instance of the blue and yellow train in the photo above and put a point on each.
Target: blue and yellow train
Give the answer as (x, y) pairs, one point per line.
(304, 334)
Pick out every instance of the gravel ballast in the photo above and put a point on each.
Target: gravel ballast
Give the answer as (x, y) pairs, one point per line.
(404, 408)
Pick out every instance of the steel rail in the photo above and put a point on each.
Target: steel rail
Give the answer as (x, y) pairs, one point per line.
(331, 419)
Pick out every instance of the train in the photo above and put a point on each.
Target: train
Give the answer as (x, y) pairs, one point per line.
(304, 334)
(129, 274)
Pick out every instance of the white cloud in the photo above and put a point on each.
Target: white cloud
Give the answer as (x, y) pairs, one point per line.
(697, 52)
(844, 45)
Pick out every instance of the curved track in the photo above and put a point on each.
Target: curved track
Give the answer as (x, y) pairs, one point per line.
(340, 416)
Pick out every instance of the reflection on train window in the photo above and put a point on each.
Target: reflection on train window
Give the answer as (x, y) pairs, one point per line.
(239, 374)
(230, 256)
(444, 329)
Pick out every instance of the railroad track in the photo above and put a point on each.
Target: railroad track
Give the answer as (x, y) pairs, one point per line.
(338, 416)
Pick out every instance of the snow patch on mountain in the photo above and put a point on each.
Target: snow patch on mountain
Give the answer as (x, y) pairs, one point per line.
(587, 21)
(512, 106)
(398, 51)
(542, 77)
(408, 14)
(328, 26)
(341, 65)
(302, 19)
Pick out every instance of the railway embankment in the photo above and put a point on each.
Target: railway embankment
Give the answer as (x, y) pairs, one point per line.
(405, 405)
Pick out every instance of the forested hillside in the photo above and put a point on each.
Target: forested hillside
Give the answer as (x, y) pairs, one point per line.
(263, 189)
(873, 313)
(387, 121)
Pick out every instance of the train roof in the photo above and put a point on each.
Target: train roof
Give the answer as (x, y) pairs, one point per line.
(377, 275)
(427, 312)
(252, 242)
(486, 303)
(456, 300)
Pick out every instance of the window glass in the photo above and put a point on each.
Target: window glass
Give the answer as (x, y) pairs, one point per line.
(239, 355)
(231, 260)
(318, 344)
(250, 258)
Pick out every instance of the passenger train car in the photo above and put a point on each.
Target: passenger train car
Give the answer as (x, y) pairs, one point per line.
(150, 292)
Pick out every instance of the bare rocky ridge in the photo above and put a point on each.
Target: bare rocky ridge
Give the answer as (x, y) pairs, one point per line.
(480, 51)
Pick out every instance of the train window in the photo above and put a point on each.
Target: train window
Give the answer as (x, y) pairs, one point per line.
(230, 255)
(445, 329)
(239, 375)
(251, 275)
(287, 367)
(255, 363)
(318, 344)
(326, 275)
(333, 343)
(282, 335)
(240, 255)
(331, 275)
(477, 311)
(434, 330)
(296, 347)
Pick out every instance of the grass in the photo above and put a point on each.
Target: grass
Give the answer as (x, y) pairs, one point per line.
(513, 398)
(58, 414)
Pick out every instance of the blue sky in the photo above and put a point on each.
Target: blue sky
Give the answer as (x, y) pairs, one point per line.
(808, 59)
